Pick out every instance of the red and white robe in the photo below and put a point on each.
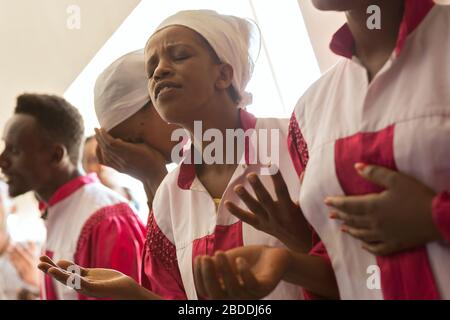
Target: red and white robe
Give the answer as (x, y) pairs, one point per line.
(93, 226)
(400, 120)
(185, 222)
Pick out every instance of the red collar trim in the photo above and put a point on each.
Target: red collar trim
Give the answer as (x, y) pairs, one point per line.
(343, 43)
(70, 187)
(186, 174)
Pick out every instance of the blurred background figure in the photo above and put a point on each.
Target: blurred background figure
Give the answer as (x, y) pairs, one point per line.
(108, 176)
(19, 278)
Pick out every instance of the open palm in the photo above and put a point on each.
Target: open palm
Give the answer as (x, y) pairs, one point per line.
(92, 282)
(250, 272)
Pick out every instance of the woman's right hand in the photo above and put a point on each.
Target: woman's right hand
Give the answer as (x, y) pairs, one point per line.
(94, 282)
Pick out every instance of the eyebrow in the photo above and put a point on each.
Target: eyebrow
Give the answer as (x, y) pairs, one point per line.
(171, 45)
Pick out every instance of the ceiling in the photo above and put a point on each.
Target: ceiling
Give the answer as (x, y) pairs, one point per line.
(41, 54)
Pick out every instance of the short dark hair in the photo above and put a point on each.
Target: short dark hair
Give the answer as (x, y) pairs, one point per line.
(59, 118)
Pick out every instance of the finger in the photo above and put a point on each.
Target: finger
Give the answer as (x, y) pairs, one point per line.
(245, 216)
(65, 264)
(101, 142)
(381, 176)
(250, 202)
(281, 188)
(198, 278)
(350, 220)
(46, 259)
(112, 160)
(261, 192)
(30, 251)
(365, 235)
(60, 275)
(232, 286)
(99, 138)
(106, 139)
(353, 205)
(110, 142)
(24, 253)
(211, 280)
(44, 266)
(99, 153)
(248, 279)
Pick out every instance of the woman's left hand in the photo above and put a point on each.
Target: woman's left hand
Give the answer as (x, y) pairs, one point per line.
(135, 159)
(396, 219)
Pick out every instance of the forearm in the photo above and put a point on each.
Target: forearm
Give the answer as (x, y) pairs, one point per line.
(313, 273)
(131, 290)
(144, 294)
(298, 241)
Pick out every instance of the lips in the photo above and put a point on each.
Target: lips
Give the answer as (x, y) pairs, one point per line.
(163, 86)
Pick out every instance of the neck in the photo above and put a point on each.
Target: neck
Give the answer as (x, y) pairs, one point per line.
(60, 178)
(221, 118)
(374, 47)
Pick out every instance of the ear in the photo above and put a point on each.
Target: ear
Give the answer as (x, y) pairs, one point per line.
(58, 153)
(225, 78)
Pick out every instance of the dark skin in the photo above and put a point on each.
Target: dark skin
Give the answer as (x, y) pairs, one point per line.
(180, 56)
(373, 48)
(140, 146)
(203, 91)
(31, 161)
(146, 126)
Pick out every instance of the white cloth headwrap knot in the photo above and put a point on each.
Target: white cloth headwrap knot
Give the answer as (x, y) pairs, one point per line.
(121, 90)
(236, 41)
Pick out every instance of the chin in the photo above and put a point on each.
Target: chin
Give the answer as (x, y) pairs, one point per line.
(335, 5)
(15, 192)
(171, 114)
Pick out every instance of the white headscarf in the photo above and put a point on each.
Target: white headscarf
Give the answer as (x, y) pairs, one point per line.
(236, 41)
(121, 90)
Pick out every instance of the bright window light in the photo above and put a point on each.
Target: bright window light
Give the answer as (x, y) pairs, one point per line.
(284, 70)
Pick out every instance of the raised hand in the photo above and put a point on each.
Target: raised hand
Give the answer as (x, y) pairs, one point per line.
(24, 259)
(281, 218)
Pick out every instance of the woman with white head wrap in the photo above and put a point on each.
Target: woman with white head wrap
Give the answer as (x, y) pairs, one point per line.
(236, 41)
(198, 65)
(133, 139)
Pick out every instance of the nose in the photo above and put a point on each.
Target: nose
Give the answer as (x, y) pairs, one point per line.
(163, 70)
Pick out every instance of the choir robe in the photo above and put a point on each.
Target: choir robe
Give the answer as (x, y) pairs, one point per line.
(400, 120)
(93, 226)
(185, 221)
